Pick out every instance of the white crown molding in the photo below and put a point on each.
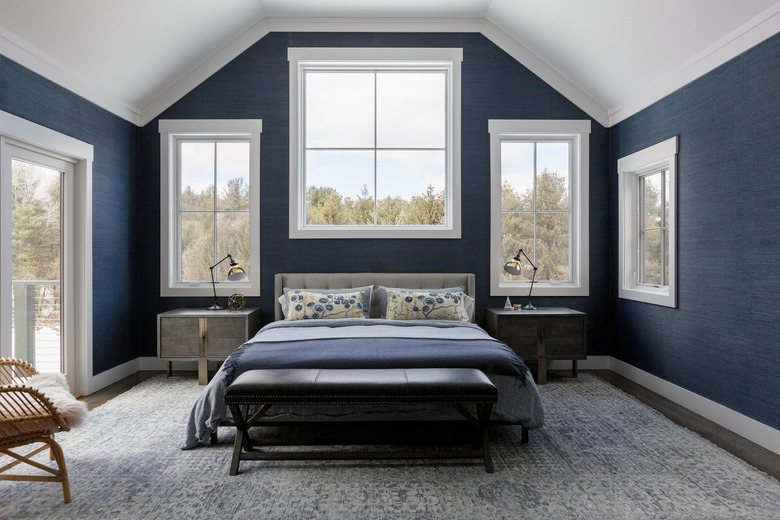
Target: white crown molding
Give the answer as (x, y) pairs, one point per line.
(184, 84)
(750, 34)
(376, 25)
(548, 74)
(18, 50)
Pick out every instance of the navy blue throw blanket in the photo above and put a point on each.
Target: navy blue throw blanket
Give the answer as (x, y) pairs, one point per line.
(374, 344)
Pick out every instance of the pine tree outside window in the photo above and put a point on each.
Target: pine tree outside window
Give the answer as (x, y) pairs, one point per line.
(374, 143)
(210, 204)
(539, 181)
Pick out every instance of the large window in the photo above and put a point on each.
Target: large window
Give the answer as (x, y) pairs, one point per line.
(374, 143)
(210, 186)
(647, 224)
(539, 203)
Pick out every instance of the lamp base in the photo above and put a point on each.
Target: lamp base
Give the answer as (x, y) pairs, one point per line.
(529, 307)
(214, 307)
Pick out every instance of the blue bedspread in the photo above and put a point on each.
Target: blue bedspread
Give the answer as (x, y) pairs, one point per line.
(372, 343)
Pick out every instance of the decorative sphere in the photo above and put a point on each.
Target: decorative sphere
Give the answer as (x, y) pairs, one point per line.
(236, 301)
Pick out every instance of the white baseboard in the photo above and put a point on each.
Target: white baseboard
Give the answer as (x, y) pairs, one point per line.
(139, 364)
(744, 426)
(112, 375)
(155, 363)
(750, 429)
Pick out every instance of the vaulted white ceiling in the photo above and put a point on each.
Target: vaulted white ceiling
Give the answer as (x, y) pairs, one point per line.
(610, 57)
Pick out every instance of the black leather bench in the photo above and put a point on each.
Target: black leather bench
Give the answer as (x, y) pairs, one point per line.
(459, 387)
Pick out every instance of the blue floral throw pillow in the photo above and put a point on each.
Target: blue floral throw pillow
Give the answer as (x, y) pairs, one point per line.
(285, 304)
(308, 305)
(424, 305)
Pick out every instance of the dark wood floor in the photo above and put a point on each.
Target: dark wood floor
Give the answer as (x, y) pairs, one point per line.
(750, 452)
(111, 391)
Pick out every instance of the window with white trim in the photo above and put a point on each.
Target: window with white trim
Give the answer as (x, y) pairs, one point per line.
(647, 242)
(539, 203)
(210, 200)
(374, 143)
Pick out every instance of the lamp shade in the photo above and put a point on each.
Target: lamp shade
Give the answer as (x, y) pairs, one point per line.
(235, 273)
(513, 267)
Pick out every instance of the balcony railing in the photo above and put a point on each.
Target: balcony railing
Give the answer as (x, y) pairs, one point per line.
(36, 323)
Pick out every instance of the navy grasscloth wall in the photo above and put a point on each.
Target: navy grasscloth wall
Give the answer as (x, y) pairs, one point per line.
(114, 200)
(494, 85)
(723, 341)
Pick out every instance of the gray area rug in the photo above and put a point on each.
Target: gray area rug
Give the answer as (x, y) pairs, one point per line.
(601, 454)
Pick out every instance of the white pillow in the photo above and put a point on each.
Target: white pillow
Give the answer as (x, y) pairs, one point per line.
(468, 308)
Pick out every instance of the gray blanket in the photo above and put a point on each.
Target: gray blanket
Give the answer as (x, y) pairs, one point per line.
(372, 343)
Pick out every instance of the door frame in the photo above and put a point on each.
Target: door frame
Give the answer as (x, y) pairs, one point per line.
(17, 131)
(67, 168)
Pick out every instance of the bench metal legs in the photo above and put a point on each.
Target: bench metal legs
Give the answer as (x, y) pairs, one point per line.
(243, 449)
(484, 411)
(241, 430)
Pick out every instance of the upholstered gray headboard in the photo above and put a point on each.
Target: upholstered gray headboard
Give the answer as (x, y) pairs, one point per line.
(349, 280)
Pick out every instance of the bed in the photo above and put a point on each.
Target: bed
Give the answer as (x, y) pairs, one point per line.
(370, 335)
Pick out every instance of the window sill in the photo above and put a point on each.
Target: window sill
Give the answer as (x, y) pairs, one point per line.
(374, 232)
(199, 289)
(540, 289)
(655, 296)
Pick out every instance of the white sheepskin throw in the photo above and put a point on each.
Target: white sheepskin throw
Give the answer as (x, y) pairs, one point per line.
(54, 386)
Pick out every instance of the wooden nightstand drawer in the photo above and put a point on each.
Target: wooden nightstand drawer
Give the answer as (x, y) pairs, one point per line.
(527, 348)
(523, 328)
(221, 327)
(565, 348)
(179, 338)
(565, 337)
(222, 347)
(561, 327)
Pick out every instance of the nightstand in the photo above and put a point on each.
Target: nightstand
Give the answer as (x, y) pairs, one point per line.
(203, 335)
(540, 335)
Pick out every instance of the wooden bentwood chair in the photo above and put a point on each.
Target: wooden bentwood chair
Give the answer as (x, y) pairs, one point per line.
(28, 417)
